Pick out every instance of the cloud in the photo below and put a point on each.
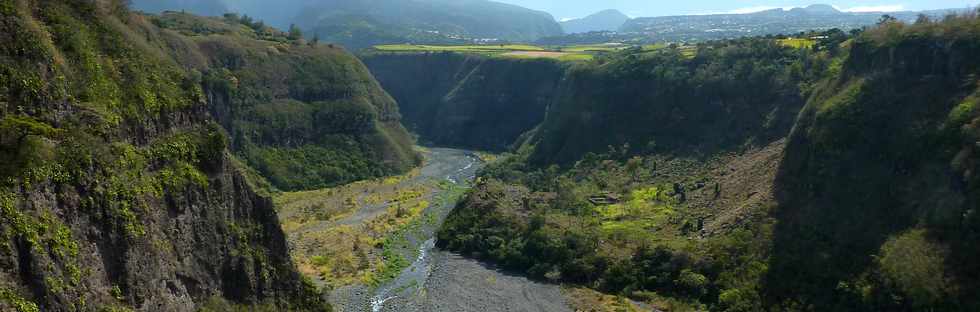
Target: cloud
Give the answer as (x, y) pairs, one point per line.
(565, 19)
(875, 8)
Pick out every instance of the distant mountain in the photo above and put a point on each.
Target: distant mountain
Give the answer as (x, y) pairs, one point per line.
(817, 9)
(776, 21)
(360, 23)
(607, 20)
(200, 7)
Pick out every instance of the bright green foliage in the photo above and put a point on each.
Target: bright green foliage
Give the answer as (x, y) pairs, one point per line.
(964, 113)
(16, 302)
(798, 43)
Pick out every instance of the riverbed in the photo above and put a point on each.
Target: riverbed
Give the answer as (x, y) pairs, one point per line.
(438, 280)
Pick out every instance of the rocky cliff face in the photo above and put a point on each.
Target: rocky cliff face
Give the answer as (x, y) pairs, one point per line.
(880, 166)
(304, 116)
(117, 188)
(729, 95)
(468, 101)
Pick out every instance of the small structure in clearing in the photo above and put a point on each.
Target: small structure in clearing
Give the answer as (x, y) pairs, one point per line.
(604, 199)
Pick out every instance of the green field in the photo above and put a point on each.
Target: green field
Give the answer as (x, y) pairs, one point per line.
(457, 48)
(798, 43)
(572, 53)
(609, 47)
(561, 56)
(523, 51)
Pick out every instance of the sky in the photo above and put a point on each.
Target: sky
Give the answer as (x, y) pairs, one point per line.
(566, 9)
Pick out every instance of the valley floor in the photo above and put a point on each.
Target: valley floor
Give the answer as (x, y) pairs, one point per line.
(334, 236)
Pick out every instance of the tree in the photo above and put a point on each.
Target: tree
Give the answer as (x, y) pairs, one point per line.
(887, 19)
(295, 33)
(232, 18)
(633, 167)
(922, 19)
(18, 128)
(247, 20)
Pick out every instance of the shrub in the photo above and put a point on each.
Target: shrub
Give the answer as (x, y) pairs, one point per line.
(915, 266)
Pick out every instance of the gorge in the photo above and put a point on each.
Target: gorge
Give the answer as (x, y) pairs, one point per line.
(172, 162)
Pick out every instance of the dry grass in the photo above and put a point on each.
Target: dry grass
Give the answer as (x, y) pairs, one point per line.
(587, 300)
(335, 233)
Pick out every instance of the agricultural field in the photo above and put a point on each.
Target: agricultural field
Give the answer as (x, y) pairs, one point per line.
(457, 48)
(572, 53)
(607, 47)
(798, 43)
(561, 56)
(565, 54)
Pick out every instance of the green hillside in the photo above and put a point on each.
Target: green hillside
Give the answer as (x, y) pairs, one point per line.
(726, 95)
(752, 175)
(878, 180)
(305, 116)
(120, 134)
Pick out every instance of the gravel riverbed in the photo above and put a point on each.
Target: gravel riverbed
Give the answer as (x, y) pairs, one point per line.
(441, 281)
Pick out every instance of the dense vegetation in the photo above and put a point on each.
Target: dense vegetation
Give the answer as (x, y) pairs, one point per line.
(101, 140)
(118, 190)
(729, 93)
(470, 101)
(305, 116)
(878, 183)
(702, 197)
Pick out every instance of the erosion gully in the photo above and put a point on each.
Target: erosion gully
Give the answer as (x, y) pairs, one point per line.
(441, 281)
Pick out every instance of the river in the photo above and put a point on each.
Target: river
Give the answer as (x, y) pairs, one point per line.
(442, 281)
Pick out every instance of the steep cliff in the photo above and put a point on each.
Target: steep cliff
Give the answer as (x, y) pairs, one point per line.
(466, 100)
(117, 187)
(305, 116)
(728, 95)
(878, 190)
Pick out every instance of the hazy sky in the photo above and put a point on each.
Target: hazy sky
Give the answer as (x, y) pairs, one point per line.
(578, 8)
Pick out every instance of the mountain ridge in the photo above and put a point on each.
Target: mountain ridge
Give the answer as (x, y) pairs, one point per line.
(605, 20)
(371, 22)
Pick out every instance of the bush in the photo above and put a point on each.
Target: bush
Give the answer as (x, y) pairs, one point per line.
(915, 266)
